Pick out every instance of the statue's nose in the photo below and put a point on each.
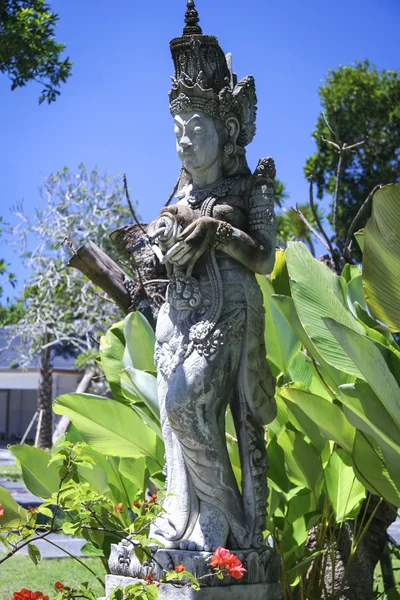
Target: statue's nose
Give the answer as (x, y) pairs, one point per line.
(185, 141)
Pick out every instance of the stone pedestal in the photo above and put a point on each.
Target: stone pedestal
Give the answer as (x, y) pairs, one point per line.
(260, 581)
(238, 591)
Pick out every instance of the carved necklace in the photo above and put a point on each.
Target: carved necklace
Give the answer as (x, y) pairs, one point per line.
(218, 189)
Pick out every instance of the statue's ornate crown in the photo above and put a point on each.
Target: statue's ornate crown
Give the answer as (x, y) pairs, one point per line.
(203, 81)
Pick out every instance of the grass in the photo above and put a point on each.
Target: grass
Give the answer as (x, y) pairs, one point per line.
(11, 472)
(19, 571)
(378, 583)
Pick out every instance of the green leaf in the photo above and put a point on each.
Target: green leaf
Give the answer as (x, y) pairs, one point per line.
(34, 554)
(303, 463)
(40, 478)
(286, 307)
(14, 514)
(344, 491)
(46, 512)
(112, 347)
(371, 470)
(280, 276)
(364, 410)
(135, 470)
(281, 342)
(90, 549)
(329, 417)
(144, 385)
(371, 364)
(317, 294)
(109, 427)
(140, 340)
(381, 257)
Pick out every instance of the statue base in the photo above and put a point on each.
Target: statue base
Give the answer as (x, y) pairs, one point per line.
(261, 564)
(168, 591)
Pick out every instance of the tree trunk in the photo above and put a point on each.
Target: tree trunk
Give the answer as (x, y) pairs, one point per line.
(145, 291)
(45, 400)
(357, 581)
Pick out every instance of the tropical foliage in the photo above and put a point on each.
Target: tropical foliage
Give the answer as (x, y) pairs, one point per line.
(360, 109)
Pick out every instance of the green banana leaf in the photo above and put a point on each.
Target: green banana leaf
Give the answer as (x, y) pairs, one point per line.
(371, 364)
(328, 416)
(381, 257)
(280, 340)
(366, 412)
(112, 347)
(371, 469)
(110, 427)
(286, 307)
(318, 293)
(140, 340)
(40, 478)
(345, 492)
(302, 460)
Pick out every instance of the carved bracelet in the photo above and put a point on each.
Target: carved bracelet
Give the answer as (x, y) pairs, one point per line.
(223, 235)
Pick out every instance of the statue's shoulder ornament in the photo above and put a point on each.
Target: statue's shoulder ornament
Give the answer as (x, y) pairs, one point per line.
(261, 197)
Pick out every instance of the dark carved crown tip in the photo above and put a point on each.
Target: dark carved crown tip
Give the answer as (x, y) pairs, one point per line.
(191, 20)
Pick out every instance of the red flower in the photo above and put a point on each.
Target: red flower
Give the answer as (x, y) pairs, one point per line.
(1, 511)
(220, 556)
(154, 498)
(235, 567)
(137, 504)
(149, 578)
(223, 558)
(118, 508)
(25, 594)
(180, 568)
(58, 585)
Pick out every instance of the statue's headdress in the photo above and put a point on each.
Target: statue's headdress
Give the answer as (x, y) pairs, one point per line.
(204, 81)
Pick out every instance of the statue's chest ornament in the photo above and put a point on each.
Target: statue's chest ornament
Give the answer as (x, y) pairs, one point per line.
(196, 198)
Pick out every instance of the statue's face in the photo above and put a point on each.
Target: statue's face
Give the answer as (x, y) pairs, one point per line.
(197, 141)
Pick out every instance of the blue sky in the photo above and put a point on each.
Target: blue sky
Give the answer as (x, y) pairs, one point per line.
(113, 112)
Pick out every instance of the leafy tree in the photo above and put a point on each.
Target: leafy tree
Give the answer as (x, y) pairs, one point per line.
(28, 48)
(61, 306)
(358, 140)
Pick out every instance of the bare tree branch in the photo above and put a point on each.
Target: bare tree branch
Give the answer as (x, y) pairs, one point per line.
(309, 226)
(131, 205)
(362, 209)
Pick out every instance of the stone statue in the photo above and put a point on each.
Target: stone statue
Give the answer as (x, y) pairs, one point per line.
(210, 350)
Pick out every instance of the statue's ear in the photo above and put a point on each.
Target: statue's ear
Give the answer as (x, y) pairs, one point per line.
(233, 126)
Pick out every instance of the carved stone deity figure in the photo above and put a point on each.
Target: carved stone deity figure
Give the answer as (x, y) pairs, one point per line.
(210, 351)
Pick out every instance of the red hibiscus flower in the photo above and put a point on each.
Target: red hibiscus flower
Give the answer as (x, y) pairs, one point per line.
(58, 585)
(118, 508)
(137, 504)
(223, 558)
(1, 511)
(180, 568)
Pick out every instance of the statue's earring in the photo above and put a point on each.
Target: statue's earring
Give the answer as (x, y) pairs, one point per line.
(229, 148)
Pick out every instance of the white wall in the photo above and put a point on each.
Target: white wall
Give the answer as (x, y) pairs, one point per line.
(18, 404)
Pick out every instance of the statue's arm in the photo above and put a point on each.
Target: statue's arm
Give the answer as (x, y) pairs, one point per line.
(256, 248)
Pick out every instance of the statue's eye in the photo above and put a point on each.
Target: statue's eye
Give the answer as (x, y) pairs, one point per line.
(198, 130)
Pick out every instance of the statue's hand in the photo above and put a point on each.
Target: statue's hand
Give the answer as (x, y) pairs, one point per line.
(193, 241)
(183, 214)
